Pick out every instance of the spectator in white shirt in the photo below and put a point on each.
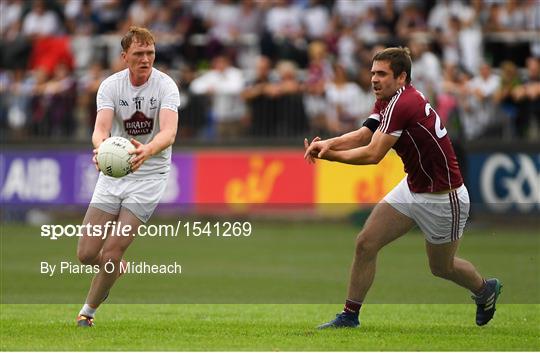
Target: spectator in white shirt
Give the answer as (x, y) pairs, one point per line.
(350, 12)
(10, 14)
(477, 102)
(223, 21)
(426, 68)
(284, 37)
(316, 20)
(470, 41)
(343, 103)
(284, 21)
(223, 84)
(40, 21)
(440, 15)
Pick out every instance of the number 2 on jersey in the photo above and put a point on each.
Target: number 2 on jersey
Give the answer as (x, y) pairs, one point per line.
(439, 130)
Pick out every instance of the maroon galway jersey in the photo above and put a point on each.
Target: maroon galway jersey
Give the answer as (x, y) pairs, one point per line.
(423, 144)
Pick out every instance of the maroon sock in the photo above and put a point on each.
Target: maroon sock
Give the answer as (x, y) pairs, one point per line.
(352, 307)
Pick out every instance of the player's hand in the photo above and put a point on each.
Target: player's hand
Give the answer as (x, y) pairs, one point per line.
(95, 151)
(311, 150)
(141, 153)
(323, 147)
(94, 159)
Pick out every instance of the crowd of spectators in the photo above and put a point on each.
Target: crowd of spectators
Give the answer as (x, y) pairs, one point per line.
(273, 68)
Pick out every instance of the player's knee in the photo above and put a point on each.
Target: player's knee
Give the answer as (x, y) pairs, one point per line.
(442, 271)
(113, 256)
(86, 257)
(366, 247)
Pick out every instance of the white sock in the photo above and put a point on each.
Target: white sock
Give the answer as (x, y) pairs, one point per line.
(88, 311)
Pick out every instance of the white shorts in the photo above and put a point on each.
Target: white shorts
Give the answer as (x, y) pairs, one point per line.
(441, 217)
(140, 196)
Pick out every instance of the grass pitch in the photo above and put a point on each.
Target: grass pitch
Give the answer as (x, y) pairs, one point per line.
(285, 264)
(279, 327)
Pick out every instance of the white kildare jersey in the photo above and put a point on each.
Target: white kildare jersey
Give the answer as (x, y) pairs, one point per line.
(136, 112)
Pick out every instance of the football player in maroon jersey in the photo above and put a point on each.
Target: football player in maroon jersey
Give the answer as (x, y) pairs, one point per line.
(432, 195)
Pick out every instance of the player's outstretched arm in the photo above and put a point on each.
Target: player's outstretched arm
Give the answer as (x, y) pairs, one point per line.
(357, 138)
(168, 125)
(353, 139)
(371, 154)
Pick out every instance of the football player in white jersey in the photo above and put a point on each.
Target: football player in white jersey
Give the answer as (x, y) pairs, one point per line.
(139, 103)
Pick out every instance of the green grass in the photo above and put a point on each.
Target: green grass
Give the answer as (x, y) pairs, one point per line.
(265, 293)
(268, 328)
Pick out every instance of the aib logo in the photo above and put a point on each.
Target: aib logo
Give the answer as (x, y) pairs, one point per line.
(257, 185)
